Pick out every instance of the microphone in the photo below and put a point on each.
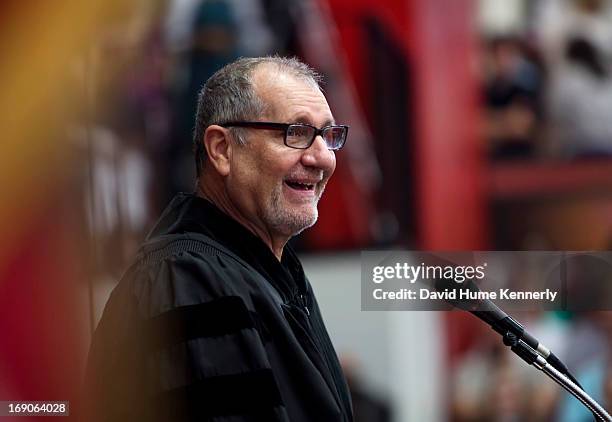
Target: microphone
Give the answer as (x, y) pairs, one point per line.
(526, 346)
(500, 321)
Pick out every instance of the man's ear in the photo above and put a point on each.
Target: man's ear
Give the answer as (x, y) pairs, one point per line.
(219, 148)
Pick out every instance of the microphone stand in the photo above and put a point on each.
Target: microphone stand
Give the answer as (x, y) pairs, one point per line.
(525, 346)
(529, 355)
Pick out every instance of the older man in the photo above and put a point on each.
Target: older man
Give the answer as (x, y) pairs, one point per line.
(215, 320)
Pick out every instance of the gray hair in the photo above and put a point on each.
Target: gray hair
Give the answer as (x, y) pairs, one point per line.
(229, 95)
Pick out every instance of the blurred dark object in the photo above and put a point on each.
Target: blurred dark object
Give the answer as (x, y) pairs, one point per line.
(512, 99)
(282, 23)
(366, 406)
(582, 53)
(213, 43)
(390, 115)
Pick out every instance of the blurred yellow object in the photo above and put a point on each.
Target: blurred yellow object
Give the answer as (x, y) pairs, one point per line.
(42, 45)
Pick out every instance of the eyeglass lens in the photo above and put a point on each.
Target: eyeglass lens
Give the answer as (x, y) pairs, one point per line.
(301, 136)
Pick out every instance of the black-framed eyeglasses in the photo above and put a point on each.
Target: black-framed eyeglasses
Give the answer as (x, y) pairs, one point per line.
(301, 135)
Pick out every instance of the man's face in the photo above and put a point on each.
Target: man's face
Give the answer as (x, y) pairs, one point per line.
(274, 186)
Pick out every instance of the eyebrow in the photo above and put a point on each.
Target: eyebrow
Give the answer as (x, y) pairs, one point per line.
(304, 118)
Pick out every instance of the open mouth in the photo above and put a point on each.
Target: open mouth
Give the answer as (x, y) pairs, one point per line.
(299, 185)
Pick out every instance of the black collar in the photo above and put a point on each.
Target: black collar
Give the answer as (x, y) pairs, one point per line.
(201, 216)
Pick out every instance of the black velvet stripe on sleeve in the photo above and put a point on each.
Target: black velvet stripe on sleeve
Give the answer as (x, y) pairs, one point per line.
(218, 317)
(254, 394)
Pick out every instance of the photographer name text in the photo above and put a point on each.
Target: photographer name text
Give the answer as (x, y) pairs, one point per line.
(463, 294)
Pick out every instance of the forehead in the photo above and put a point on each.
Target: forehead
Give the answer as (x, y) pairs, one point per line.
(289, 98)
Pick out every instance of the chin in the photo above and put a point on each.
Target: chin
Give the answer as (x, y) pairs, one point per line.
(293, 222)
(306, 225)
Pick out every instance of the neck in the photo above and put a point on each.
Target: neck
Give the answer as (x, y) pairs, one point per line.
(222, 201)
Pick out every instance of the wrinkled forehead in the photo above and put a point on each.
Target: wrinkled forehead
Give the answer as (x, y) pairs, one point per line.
(290, 98)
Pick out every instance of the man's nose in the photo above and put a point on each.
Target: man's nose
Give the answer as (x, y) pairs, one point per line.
(318, 155)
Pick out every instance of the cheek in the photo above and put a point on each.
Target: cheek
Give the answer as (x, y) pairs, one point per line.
(276, 166)
(242, 182)
(264, 170)
(252, 181)
(332, 165)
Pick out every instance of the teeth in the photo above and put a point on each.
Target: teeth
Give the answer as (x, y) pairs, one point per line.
(305, 186)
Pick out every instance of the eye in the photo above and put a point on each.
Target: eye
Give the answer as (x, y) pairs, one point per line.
(335, 136)
(299, 131)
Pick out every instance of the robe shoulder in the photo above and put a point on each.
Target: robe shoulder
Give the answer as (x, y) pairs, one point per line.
(175, 275)
(181, 324)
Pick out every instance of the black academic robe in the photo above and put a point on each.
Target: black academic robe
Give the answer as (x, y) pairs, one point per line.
(208, 325)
